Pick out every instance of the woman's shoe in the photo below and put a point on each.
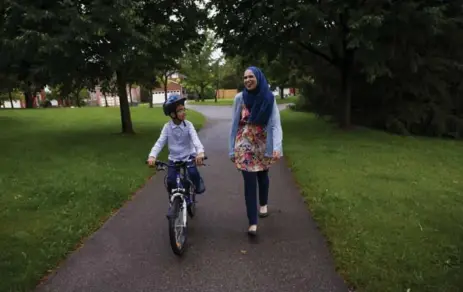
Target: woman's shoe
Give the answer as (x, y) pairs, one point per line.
(263, 211)
(252, 231)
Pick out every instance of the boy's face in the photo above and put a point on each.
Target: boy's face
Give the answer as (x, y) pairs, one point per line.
(181, 113)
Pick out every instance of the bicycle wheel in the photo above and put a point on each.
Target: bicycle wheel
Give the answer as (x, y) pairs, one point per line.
(178, 226)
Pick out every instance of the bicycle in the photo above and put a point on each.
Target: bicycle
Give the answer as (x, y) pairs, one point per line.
(181, 204)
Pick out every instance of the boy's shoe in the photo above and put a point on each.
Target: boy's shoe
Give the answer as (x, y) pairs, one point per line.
(202, 188)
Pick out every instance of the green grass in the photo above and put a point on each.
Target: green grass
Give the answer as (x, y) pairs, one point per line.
(229, 101)
(391, 207)
(62, 173)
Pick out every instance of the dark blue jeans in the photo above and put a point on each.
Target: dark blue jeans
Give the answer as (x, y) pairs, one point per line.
(251, 180)
(194, 175)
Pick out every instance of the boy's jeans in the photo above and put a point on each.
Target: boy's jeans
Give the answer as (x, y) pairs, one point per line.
(193, 173)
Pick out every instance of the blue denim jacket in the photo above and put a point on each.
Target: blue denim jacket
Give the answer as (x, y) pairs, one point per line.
(273, 128)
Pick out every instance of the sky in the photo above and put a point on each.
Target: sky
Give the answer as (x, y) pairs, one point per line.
(217, 53)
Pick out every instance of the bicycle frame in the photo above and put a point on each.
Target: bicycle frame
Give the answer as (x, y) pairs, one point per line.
(179, 190)
(181, 176)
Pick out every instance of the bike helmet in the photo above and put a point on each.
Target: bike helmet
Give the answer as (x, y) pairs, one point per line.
(170, 105)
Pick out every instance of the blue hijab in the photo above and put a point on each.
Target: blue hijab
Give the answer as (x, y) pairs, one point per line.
(260, 100)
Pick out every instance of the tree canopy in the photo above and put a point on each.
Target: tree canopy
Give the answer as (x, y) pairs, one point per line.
(386, 64)
(198, 66)
(82, 43)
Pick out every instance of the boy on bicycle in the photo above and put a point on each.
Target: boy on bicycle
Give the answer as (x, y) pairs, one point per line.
(183, 143)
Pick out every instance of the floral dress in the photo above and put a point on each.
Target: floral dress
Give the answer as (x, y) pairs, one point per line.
(250, 146)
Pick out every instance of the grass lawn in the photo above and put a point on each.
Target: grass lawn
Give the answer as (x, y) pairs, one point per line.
(62, 173)
(391, 207)
(229, 101)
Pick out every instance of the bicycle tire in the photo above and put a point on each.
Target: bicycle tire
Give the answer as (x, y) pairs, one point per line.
(177, 247)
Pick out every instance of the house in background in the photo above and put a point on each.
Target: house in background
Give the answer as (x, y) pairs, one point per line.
(16, 103)
(177, 77)
(158, 95)
(286, 91)
(39, 97)
(97, 97)
(172, 87)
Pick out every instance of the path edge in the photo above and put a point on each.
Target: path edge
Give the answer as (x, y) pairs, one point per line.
(288, 164)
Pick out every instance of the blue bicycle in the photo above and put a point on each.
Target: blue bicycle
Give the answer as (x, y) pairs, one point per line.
(181, 203)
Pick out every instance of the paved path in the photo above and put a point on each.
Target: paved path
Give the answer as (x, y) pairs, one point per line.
(131, 251)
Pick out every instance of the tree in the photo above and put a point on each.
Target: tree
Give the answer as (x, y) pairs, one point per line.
(79, 43)
(134, 38)
(108, 86)
(231, 72)
(148, 81)
(369, 44)
(165, 72)
(217, 77)
(320, 28)
(28, 35)
(198, 66)
(143, 25)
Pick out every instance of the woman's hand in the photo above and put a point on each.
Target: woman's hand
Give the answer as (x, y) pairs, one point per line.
(276, 155)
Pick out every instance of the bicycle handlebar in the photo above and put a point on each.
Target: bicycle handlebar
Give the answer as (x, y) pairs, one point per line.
(160, 164)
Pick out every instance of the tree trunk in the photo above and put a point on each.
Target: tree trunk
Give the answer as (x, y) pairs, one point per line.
(29, 101)
(11, 99)
(218, 83)
(105, 100)
(346, 89)
(202, 93)
(126, 119)
(346, 67)
(165, 87)
(77, 99)
(151, 98)
(130, 93)
(282, 91)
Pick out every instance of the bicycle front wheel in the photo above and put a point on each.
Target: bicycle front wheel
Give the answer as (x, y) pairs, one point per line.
(178, 226)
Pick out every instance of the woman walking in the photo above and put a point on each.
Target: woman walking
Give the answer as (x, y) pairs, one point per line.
(255, 141)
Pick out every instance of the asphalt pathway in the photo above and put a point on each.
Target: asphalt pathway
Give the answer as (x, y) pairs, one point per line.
(131, 251)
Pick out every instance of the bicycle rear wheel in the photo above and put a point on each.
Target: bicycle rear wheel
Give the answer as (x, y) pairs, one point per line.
(178, 226)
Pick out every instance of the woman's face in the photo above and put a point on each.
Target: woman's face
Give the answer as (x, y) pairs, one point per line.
(250, 81)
